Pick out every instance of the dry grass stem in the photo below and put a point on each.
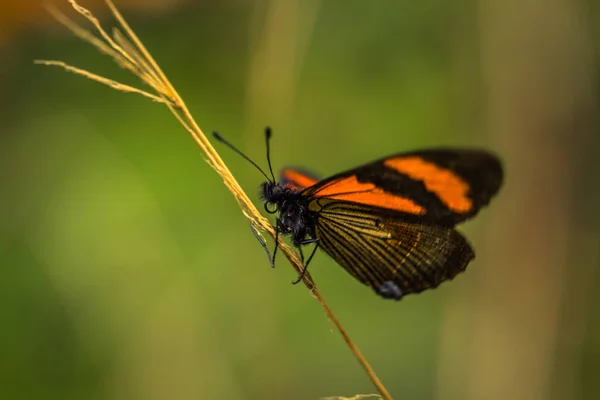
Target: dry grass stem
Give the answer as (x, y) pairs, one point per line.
(108, 82)
(129, 53)
(356, 397)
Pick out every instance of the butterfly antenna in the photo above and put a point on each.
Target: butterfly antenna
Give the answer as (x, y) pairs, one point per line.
(268, 142)
(221, 139)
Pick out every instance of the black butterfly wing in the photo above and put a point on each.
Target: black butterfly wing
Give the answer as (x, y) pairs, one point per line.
(438, 186)
(392, 256)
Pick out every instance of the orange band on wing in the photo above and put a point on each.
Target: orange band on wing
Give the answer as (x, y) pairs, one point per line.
(451, 189)
(297, 179)
(350, 189)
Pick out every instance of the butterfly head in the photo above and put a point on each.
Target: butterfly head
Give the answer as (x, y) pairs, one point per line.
(278, 197)
(294, 216)
(271, 193)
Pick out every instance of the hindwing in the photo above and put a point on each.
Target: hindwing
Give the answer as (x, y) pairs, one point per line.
(392, 256)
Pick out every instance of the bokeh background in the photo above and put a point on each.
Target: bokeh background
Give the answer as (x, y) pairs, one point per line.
(128, 271)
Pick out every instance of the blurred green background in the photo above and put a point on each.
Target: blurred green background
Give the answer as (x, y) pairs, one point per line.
(128, 271)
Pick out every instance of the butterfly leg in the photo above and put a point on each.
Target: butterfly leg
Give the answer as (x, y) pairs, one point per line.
(264, 246)
(302, 243)
(301, 254)
(309, 241)
(276, 247)
(307, 262)
(278, 228)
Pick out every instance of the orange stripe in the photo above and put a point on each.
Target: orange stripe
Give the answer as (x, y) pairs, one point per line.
(349, 189)
(298, 179)
(449, 187)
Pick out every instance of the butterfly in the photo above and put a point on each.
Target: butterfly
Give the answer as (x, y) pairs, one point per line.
(389, 223)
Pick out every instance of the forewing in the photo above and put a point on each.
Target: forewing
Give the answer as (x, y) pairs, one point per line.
(297, 179)
(393, 257)
(439, 186)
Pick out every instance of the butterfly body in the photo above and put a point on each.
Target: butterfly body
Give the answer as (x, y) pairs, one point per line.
(295, 218)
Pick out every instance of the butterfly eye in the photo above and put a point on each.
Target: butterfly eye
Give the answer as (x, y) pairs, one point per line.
(271, 208)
